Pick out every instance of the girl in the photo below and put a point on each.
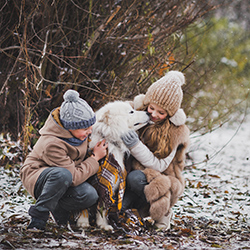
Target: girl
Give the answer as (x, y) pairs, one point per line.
(54, 173)
(156, 182)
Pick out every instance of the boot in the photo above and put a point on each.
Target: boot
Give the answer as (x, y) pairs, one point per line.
(36, 225)
(164, 222)
(38, 219)
(61, 216)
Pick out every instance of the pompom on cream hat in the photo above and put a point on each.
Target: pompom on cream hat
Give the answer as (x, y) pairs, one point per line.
(167, 94)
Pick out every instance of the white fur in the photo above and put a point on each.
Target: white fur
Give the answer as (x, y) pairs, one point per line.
(139, 101)
(83, 220)
(179, 118)
(112, 121)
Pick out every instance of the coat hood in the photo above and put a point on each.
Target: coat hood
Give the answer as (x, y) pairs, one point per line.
(52, 126)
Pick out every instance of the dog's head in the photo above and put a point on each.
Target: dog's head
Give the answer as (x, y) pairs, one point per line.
(117, 118)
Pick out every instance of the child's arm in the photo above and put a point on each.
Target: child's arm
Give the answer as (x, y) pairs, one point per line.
(148, 160)
(57, 155)
(144, 155)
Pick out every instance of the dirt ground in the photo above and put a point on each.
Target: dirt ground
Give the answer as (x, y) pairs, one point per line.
(212, 213)
(185, 233)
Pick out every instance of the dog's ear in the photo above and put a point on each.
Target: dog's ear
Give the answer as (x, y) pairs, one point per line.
(105, 118)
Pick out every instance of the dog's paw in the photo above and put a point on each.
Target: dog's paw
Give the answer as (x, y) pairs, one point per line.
(83, 220)
(106, 227)
(101, 222)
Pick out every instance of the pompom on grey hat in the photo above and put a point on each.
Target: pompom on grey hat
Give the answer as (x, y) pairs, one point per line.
(75, 113)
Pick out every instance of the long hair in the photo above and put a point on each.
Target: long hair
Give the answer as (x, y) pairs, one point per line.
(156, 137)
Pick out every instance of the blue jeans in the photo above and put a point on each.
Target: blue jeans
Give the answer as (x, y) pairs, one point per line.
(134, 196)
(53, 192)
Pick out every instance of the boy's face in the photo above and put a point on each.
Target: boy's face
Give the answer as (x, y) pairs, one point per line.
(156, 112)
(82, 133)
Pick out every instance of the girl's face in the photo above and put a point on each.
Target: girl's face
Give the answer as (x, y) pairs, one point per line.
(156, 113)
(82, 133)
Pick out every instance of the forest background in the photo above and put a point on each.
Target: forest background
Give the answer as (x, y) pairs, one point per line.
(109, 50)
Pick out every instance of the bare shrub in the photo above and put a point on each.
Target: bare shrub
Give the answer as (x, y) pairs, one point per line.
(105, 49)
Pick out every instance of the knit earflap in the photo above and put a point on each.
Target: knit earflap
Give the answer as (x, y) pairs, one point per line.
(179, 118)
(139, 102)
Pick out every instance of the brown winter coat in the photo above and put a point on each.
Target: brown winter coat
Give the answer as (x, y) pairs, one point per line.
(51, 151)
(164, 189)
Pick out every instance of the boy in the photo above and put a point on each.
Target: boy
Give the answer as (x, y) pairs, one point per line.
(55, 172)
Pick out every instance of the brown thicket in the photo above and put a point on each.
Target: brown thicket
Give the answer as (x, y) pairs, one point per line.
(105, 49)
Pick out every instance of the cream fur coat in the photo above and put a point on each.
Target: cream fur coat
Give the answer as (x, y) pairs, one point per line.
(164, 188)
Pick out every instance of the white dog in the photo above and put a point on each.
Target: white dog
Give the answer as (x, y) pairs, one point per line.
(112, 121)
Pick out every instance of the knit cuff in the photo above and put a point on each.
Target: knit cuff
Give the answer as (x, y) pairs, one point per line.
(78, 125)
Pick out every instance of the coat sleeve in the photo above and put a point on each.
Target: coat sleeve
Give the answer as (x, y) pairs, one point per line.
(56, 155)
(142, 154)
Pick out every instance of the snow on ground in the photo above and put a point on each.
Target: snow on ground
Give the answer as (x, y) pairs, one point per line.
(217, 179)
(14, 199)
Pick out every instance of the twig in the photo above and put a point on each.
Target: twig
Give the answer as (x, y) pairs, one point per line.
(186, 195)
(101, 28)
(10, 73)
(10, 245)
(39, 68)
(4, 5)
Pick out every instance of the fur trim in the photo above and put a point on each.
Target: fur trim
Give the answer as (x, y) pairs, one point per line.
(163, 193)
(139, 102)
(157, 188)
(151, 174)
(160, 208)
(179, 118)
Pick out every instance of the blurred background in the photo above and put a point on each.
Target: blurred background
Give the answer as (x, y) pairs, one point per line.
(109, 50)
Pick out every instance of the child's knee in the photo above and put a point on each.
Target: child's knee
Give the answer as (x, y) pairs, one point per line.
(86, 194)
(136, 180)
(63, 176)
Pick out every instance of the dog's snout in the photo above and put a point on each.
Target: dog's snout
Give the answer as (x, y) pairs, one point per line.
(147, 113)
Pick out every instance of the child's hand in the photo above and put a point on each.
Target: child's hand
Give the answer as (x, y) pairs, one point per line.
(130, 139)
(100, 150)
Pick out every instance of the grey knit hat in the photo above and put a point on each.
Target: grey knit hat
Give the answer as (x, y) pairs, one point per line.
(75, 113)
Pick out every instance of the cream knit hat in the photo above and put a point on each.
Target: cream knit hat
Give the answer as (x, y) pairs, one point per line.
(166, 93)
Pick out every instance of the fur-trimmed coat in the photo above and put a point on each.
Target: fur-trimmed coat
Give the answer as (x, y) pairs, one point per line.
(165, 187)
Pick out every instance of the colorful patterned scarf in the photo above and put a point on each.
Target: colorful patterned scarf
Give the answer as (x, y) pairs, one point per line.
(108, 174)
